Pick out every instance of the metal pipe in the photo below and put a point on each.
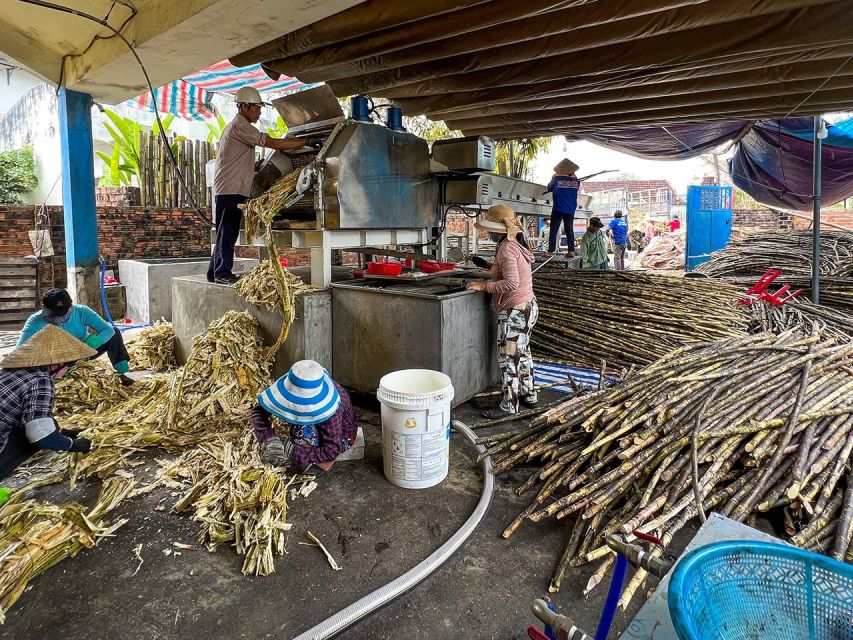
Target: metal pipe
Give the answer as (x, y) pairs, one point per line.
(817, 162)
(617, 582)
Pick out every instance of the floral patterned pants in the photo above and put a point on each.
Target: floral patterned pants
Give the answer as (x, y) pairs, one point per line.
(514, 359)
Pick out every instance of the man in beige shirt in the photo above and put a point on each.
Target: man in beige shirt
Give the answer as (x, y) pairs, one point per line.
(232, 181)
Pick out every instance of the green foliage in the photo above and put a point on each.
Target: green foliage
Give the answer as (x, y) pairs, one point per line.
(278, 130)
(124, 160)
(17, 175)
(216, 128)
(514, 156)
(429, 130)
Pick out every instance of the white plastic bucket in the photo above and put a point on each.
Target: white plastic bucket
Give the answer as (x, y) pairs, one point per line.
(415, 427)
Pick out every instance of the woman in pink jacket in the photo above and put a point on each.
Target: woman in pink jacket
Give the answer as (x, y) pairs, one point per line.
(511, 287)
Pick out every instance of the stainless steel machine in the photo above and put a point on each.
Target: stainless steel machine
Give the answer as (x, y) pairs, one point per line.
(371, 185)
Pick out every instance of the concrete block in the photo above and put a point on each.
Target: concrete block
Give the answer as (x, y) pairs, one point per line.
(196, 303)
(149, 283)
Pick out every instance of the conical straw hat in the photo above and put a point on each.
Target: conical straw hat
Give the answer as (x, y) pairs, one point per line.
(51, 345)
(566, 166)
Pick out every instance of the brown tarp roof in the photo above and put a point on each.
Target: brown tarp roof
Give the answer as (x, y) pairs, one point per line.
(582, 67)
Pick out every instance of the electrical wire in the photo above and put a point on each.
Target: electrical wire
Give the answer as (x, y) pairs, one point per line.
(169, 154)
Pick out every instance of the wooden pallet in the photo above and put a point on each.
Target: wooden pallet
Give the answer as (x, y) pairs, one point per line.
(19, 291)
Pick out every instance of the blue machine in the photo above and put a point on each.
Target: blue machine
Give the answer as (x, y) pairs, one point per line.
(709, 222)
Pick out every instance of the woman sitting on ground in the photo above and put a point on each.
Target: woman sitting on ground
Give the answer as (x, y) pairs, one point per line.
(79, 320)
(321, 423)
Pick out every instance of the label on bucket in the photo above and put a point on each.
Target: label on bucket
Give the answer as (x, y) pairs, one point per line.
(418, 456)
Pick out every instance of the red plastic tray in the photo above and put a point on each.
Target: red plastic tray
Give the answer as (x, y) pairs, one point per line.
(384, 268)
(431, 266)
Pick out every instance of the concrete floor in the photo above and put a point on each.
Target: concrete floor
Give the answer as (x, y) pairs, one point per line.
(375, 531)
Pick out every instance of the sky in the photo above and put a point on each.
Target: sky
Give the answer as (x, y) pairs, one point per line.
(592, 158)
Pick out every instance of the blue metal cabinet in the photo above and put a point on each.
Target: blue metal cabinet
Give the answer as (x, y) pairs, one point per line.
(709, 222)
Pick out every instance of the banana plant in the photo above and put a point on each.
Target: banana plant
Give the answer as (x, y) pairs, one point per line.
(278, 130)
(123, 162)
(216, 128)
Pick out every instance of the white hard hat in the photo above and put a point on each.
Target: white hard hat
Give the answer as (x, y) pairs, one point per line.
(249, 95)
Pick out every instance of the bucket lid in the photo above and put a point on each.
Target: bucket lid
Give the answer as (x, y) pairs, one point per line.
(415, 387)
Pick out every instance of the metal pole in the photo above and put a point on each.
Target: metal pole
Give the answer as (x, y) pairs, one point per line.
(816, 190)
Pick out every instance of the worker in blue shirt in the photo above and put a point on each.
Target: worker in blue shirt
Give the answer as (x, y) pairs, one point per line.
(618, 230)
(564, 186)
(82, 323)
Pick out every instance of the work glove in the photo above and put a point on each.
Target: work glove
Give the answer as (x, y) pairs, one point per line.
(71, 433)
(81, 445)
(480, 262)
(93, 341)
(275, 452)
(315, 143)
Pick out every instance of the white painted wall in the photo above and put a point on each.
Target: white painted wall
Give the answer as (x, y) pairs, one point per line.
(13, 84)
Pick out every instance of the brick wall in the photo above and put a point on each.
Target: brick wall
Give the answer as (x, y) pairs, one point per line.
(761, 220)
(843, 218)
(123, 232)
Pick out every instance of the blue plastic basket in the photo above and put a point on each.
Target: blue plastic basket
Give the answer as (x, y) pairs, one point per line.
(739, 590)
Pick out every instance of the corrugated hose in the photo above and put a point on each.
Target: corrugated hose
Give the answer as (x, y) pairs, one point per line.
(383, 595)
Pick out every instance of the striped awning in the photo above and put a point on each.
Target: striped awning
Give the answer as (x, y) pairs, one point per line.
(190, 97)
(223, 77)
(179, 98)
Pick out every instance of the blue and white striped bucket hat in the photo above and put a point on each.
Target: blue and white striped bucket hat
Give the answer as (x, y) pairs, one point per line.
(306, 395)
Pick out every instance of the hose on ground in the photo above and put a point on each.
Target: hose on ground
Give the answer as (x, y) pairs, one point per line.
(383, 595)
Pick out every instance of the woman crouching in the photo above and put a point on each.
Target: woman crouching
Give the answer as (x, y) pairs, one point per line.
(321, 423)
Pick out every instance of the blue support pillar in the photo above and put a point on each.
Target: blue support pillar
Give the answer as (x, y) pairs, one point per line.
(78, 196)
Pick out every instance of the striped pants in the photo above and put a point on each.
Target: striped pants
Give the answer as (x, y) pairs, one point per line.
(514, 358)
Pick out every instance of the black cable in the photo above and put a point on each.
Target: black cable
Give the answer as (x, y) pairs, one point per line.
(74, 12)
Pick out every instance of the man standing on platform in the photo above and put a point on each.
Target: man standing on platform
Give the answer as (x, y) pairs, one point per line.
(232, 181)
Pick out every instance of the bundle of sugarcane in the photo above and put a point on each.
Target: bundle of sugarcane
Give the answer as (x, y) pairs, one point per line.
(260, 211)
(34, 536)
(800, 313)
(628, 318)
(153, 348)
(834, 292)
(790, 251)
(664, 252)
(236, 498)
(768, 420)
(212, 393)
(259, 286)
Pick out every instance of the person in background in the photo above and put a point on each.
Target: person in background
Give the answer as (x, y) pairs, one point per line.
(650, 231)
(319, 416)
(593, 248)
(511, 287)
(544, 236)
(618, 230)
(78, 320)
(564, 186)
(26, 397)
(232, 180)
(674, 224)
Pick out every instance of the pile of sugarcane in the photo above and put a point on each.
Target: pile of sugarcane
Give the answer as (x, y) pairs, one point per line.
(768, 420)
(260, 211)
(628, 318)
(790, 251)
(259, 286)
(212, 393)
(153, 348)
(236, 499)
(800, 313)
(835, 292)
(34, 535)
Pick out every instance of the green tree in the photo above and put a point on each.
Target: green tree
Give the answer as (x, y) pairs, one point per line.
(17, 175)
(514, 156)
(429, 130)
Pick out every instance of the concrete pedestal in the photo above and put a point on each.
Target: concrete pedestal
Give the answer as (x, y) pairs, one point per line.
(149, 283)
(196, 303)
